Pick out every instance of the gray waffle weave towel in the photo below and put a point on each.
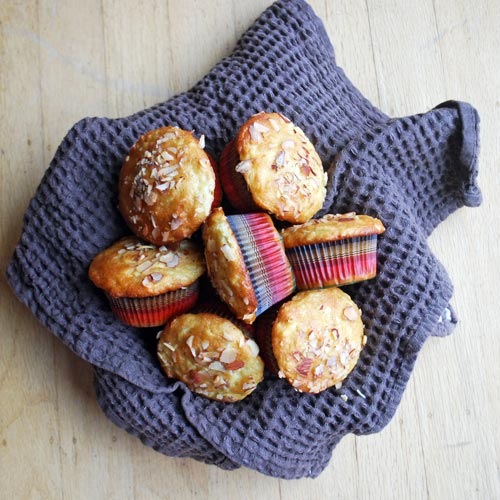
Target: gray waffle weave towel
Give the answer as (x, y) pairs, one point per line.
(410, 172)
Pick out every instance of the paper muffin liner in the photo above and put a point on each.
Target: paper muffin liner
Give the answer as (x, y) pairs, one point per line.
(233, 183)
(157, 310)
(265, 258)
(263, 337)
(334, 263)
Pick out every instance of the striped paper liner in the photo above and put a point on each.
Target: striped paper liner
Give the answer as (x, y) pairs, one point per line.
(157, 310)
(264, 257)
(334, 263)
(233, 183)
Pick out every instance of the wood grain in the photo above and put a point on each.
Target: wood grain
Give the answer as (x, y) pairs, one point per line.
(61, 61)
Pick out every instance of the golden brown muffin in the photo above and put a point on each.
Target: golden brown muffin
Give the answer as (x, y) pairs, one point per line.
(167, 186)
(146, 285)
(246, 262)
(211, 355)
(317, 338)
(331, 228)
(280, 166)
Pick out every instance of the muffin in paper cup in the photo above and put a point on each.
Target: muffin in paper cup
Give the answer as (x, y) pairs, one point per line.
(332, 251)
(246, 262)
(211, 355)
(313, 340)
(147, 285)
(272, 166)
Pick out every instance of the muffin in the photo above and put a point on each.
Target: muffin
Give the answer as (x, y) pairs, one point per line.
(211, 355)
(334, 250)
(146, 285)
(317, 338)
(271, 165)
(213, 305)
(246, 262)
(167, 186)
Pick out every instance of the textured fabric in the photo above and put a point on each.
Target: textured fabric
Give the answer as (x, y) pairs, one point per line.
(410, 172)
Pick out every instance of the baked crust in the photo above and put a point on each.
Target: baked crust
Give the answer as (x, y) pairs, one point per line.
(167, 186)
(317, 338)
(134, 268)
(211, 356)
(283, 171)
(331, 228)
(226, 267)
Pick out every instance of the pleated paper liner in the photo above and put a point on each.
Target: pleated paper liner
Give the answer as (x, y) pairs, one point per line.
(334, 263)
(265, 258)
(233, 183)
(157, 310)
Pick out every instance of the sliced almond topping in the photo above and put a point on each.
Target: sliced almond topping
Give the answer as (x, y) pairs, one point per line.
(228, 252)
(254, 348)
(202, 142)
(338, 385)
(162, 187)
(156, 276)
(318, 371)
(235, 365)
(246, 386)
(175, 223)
(144, 266)
(166, 156)
(243, 166)
(304, 366)
(260, 128)
(205, 344)
(169, 346)
(216, 365)
(254, 133)
(350, 313)
(280, 159)
(274, 124)
(228, 355)
(288, 144)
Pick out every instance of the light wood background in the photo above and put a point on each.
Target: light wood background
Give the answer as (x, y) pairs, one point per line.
(63, 60)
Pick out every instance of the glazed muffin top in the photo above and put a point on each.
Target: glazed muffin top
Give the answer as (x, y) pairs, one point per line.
(134, 268)
(317, 338)
(283, 171)
(331, 228)
(211, 356)
(226, 267)
(167, 185)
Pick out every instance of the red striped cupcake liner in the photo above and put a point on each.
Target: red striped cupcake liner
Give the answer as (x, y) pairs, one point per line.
(265, 258)
(233, 183)
(157, 310)
(334, 263)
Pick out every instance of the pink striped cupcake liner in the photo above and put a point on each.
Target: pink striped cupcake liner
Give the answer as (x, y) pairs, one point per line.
(334, 263)
(265, 258)
(157, 310)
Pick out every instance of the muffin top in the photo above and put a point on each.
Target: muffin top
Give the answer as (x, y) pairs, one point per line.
(167, 186)
(283, 171)
(317, 338)
(226, 267)
(331, 228)
(133, 268)
(211, 356)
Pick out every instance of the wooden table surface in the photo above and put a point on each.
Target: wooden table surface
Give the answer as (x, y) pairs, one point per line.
(61, 61)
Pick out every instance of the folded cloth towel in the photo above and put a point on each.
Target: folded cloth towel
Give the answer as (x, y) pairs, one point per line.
(410, 172)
